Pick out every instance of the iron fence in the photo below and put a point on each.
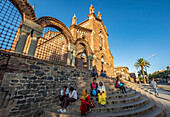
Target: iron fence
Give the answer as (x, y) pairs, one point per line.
(52, 46)
(10, 20)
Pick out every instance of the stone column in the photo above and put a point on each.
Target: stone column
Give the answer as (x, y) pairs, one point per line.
(69, 58)
(26, 28)
(71, 49)
(24, 32)
(89, 62)
(73, 58)
(36, 35)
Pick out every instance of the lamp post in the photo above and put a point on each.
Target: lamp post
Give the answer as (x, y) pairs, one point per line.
(145, 61)
(149, 57)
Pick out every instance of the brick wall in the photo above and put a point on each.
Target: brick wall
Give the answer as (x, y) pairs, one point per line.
(30, 85)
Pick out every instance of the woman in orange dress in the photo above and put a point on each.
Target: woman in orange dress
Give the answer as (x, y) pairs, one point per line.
(85, 102)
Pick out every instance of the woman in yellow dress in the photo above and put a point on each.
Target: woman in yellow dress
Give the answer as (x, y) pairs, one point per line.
(102, 94)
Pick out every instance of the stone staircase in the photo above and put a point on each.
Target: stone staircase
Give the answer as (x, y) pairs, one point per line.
(134, 103)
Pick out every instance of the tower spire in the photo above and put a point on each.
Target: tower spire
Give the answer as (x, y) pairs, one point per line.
(33, 7)
(91, 9)
(99, 15)
(74, 20)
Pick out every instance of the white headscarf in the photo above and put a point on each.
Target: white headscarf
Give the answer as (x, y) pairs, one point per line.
(103, 88)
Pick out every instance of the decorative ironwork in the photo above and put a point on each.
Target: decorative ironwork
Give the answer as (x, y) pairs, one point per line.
(52, 46)
(10, 20)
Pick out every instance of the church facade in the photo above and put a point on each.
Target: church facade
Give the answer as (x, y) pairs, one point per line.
(89, 48)
(94, 32)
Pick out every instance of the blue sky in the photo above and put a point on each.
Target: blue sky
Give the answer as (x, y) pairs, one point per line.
(136, 28)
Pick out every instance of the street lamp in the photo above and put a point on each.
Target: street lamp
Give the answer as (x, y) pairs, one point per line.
(145, 61)
(149, 57)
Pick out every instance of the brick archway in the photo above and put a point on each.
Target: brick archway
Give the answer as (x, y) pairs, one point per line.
(55, 23)
(23, 6)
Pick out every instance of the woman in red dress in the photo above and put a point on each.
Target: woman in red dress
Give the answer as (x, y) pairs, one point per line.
(85, 102)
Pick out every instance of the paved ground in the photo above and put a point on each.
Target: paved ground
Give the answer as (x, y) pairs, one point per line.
(164, 97)
(164, 86)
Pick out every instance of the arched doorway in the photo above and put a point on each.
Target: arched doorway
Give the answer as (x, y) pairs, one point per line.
(84, 54)
(81, 57)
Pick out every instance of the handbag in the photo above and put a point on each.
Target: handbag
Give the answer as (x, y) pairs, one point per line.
(92, 105)
(120, 84)
(94, 92)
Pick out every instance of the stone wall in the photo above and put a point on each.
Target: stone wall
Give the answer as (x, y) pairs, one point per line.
(30, 85)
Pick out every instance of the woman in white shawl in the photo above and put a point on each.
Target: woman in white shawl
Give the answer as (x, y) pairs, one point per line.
(102, 93)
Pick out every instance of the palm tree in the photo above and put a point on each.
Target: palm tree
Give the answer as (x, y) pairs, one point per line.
(141, 63)
(140, 73)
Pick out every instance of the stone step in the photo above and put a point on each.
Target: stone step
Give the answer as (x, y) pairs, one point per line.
(88, 86)
(117, 91)
(111, 91)
(126, 99)
(158, 111)
(129, 94)
(88, 89)
(113, 101)
(124, 113)
(110, 108)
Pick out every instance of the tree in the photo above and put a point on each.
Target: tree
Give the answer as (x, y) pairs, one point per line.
(141, 63)
(140, 73)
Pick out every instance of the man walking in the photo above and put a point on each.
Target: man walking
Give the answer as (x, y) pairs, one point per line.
(154, 86)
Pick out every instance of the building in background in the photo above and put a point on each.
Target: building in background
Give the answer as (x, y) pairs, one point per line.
(133, 75)
(122, 71)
